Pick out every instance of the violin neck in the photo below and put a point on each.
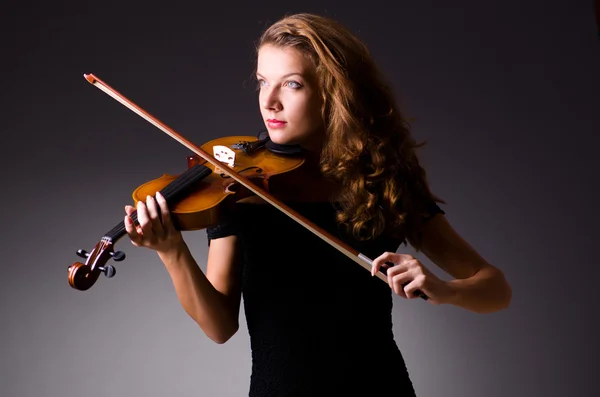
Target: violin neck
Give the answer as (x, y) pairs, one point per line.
(172, 193)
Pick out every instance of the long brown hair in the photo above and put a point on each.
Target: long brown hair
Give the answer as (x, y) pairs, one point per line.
(368, 147)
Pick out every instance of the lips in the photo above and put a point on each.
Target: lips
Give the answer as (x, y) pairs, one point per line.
(274, 123)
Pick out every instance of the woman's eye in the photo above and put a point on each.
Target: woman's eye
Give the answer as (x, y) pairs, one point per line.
(293, 84)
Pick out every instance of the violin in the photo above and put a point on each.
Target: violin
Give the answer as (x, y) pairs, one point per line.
(197, 198)
(240, 166)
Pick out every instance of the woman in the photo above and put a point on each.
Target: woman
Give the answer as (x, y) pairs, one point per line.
(319, 324)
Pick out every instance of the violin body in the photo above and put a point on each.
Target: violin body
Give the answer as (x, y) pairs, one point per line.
(214, 195)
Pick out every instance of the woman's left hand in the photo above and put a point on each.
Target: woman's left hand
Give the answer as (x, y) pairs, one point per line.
(406, 275)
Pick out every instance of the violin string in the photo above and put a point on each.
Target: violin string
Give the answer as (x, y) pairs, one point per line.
(169, 192)
(188, 178)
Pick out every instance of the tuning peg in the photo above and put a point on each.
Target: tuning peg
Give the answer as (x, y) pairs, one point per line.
(108, 270)
(118, 256)
(83, 253)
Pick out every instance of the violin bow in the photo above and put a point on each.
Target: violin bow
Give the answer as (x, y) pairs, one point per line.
(342, 247)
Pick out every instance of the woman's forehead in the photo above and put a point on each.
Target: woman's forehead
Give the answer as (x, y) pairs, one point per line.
(277, 62)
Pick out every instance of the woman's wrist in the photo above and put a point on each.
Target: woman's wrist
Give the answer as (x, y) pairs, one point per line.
(173, 255)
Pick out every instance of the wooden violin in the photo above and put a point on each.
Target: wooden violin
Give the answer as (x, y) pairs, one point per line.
(239, 166)
(197, 198)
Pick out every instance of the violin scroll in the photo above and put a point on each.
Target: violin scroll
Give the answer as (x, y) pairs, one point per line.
(82, 276)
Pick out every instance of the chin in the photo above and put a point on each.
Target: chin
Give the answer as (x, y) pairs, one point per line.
(281, 138)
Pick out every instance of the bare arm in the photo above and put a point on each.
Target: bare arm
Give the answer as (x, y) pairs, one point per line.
(212, 300)
(477, 285)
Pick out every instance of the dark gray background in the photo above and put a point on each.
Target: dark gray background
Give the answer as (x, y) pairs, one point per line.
(506, 92)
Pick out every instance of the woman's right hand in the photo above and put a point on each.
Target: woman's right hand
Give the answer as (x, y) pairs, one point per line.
(154, 232)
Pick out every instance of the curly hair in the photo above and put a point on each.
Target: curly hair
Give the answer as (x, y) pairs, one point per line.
(368, 149)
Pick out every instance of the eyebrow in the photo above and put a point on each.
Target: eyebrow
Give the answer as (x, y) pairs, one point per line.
(285, 75)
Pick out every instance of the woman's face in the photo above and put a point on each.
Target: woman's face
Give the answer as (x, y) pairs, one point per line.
(289, 97)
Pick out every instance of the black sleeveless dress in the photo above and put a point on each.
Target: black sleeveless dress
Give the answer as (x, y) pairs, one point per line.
(319, 323)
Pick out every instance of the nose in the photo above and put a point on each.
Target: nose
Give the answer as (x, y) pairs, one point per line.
(270, 99)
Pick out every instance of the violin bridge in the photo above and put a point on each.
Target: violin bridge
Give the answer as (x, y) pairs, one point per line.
(224, 155)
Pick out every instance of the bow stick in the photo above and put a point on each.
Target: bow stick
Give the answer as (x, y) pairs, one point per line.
(344, 248)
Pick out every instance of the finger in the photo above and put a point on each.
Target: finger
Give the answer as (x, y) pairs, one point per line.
(407, 262)
(132, 231)
(164, 212)
(398, 281)
(129, 210)
(131, 213)
(157, 226)
(410, 289)
(413, 263)
(393, 259)
(144, 220)
(396, 270)
(384, 260)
